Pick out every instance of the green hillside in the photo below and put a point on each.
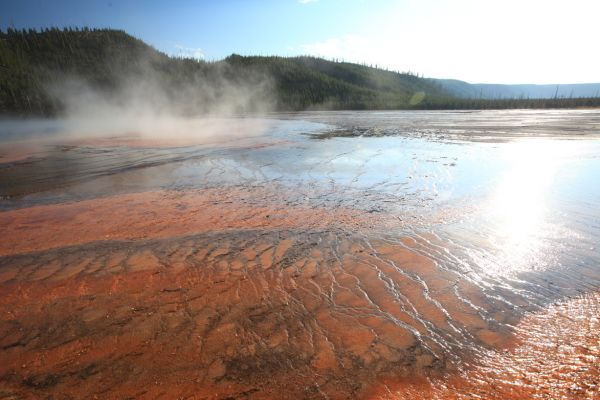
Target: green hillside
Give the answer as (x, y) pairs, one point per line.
(32, 61)
(38, 70)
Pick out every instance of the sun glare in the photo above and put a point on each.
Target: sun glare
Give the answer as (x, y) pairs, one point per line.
(518, 208)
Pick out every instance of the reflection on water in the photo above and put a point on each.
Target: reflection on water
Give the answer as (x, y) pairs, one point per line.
(518, 205)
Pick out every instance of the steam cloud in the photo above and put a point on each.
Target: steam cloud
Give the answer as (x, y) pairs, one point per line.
(149, 101)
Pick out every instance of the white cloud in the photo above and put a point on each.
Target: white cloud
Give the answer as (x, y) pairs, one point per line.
(353, 48)
(306, 1)
(189, 52)
(511, 41)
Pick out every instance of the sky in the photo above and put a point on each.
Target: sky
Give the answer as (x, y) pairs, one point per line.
(478, 41)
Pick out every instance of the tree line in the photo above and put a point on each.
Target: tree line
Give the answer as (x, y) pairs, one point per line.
(32, 62)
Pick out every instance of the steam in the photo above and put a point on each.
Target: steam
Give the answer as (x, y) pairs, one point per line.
(149, 101)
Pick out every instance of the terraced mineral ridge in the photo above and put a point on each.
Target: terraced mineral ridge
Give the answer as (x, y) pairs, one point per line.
(334, 255)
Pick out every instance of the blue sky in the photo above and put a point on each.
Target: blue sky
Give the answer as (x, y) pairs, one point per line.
(497, 41)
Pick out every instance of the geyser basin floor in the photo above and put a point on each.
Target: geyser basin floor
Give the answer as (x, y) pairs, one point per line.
(395, 258)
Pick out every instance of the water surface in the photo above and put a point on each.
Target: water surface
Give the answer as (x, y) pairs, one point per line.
(320, 255)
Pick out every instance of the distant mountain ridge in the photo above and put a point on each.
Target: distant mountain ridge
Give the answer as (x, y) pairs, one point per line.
(520, 91)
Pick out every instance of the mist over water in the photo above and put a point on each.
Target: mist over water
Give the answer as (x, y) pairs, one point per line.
(141, 99)
(341, 248)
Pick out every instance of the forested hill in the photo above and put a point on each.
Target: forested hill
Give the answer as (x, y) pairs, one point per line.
(33, 61)
(41, 70)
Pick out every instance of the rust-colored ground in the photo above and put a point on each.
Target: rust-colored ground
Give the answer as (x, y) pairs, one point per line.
(556, 356)
(162, 214)
(256, 292)
(20, 151)
(201, 316)
(206, 293)
(217, 294)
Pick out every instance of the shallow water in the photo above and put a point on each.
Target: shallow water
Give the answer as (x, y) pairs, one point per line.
(322, 255)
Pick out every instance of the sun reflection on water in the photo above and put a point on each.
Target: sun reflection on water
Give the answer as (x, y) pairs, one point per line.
(518, 207)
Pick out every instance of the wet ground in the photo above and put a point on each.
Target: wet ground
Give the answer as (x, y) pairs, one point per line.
(333, 255)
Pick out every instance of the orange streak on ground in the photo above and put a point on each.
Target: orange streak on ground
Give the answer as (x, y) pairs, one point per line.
(20, 151)
(173, 142)
(161, 214)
